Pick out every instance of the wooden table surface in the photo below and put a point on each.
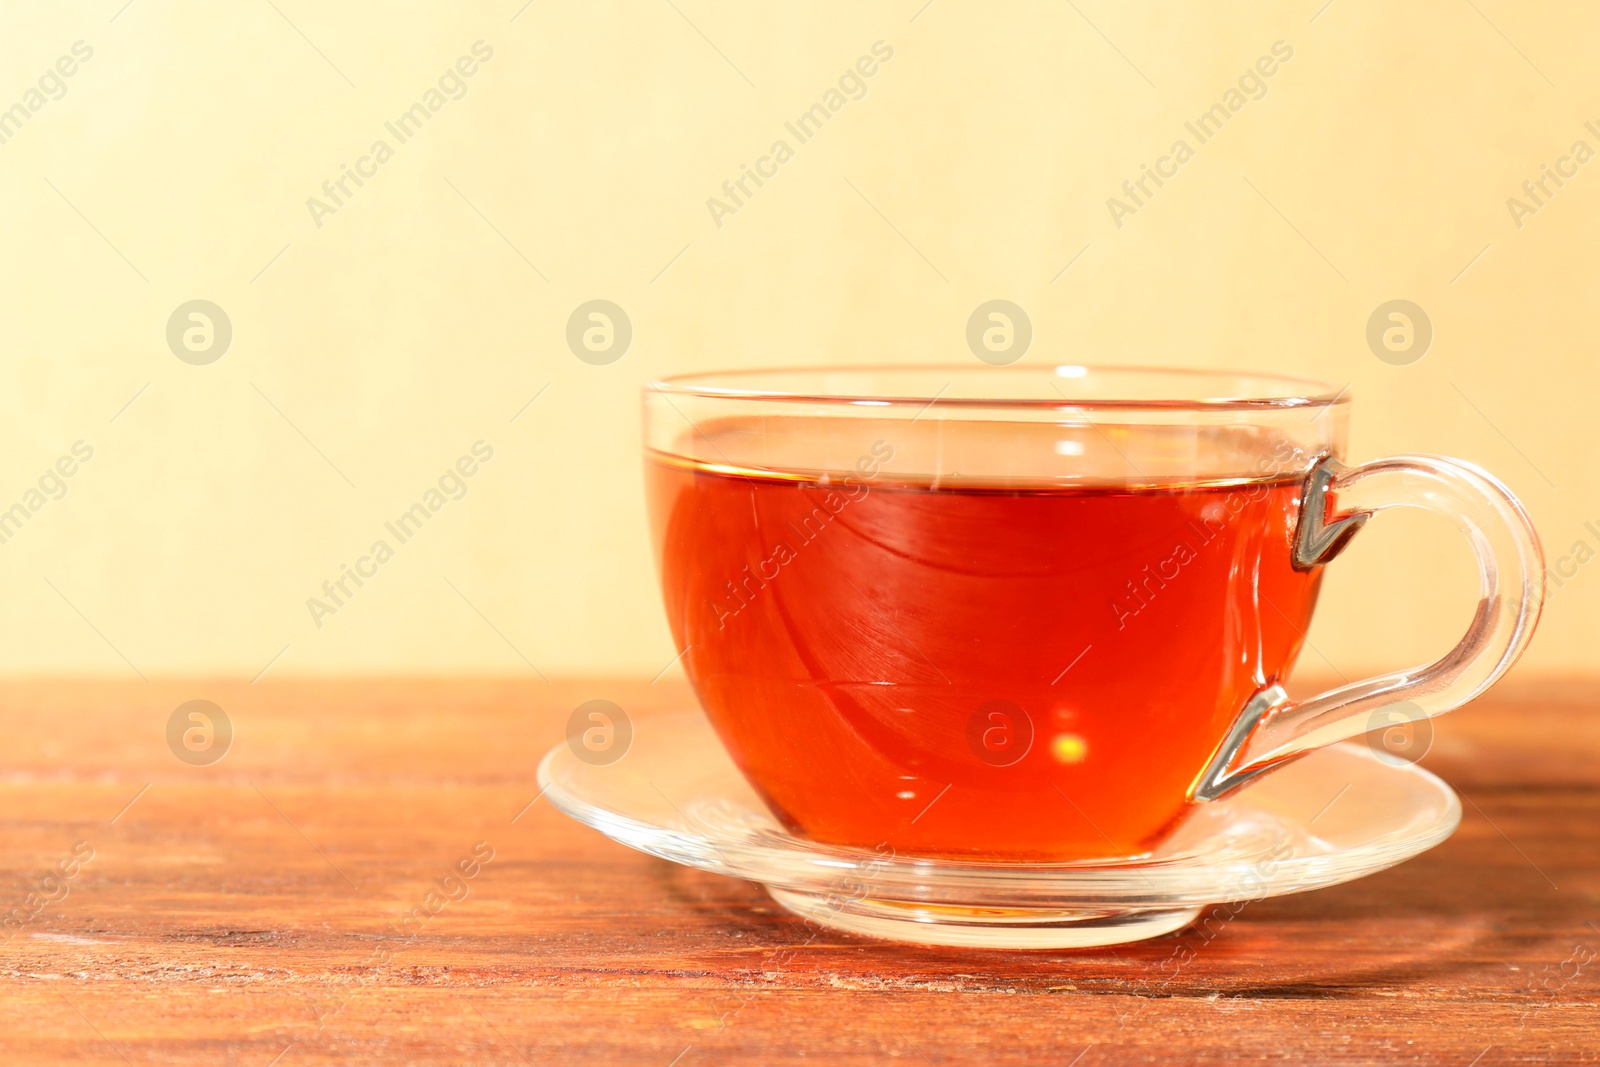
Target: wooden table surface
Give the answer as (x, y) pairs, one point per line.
(254, 911)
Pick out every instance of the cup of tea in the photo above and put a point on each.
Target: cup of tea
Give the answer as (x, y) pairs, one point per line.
(1033, 613)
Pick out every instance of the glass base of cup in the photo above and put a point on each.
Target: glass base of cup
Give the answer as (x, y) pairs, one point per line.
(985, 928)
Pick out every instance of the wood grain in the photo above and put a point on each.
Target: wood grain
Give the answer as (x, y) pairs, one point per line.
(252, 911)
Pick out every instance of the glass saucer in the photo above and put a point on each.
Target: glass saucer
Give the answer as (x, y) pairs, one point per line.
(1333, 816)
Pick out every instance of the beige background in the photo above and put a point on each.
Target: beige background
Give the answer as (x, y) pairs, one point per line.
(425, 313)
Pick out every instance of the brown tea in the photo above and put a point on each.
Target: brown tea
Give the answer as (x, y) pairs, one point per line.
(988, 668)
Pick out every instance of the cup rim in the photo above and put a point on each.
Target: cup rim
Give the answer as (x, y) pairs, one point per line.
(1289, 391)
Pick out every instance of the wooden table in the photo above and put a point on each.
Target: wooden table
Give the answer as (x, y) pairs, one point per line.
(254, 911)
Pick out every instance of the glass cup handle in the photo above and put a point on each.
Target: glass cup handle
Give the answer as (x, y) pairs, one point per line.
(1272, 730)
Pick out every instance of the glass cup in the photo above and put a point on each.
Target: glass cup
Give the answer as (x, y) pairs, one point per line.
(1032, 614)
